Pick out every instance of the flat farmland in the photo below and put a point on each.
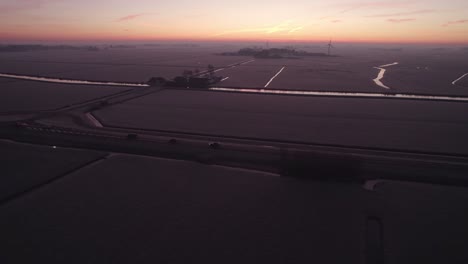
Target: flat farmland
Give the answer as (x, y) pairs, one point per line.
(129, 56)
(119, 65)
(410, 79)
(46, 69)
(70, 56)
(37, 96)
(428, 74)
(463, 83)
(201, 61)
(24, 166)
(133, 73)
(348, 73)
(7, 80)
(419, 71)
(106, 56)
(327, 76)
(251, 75)
(211, 212)
(386, 123)
(142, 72)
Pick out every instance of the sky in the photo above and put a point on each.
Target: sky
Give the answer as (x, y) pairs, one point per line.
(382, 21)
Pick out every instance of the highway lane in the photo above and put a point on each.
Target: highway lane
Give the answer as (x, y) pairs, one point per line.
(413, 125)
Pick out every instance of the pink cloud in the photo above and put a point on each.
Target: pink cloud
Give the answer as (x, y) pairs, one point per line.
(394, 20)
(457, 22)
(336, 21)
(417, 12)
(130, 17)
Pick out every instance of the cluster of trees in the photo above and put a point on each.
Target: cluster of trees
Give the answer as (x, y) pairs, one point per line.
(192, 79)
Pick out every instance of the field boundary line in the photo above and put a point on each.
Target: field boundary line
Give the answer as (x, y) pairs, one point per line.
(459, 79)
(273, 78)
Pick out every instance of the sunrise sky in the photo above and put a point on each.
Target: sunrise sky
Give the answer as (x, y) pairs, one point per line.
(411, 21)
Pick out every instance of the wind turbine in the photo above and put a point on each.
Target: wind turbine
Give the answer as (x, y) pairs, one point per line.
(330, 46)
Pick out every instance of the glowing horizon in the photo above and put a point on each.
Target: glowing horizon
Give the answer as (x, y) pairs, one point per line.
(404, 21)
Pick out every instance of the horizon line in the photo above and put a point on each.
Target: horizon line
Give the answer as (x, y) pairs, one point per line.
(236, 40)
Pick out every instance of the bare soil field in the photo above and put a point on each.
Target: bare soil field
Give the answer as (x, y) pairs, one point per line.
(134, 73)
(463, 83)
(131, 56)
(24, 166)
(45, 69)
(428, 74)
(249, 75)
(38, 96)
(216, 213)
(109, 57)
(201, 61)
(395, 124)
(7, 80)
(212, 212)
(345, 78)
(309, 73)
(419, 71)
(124, 65)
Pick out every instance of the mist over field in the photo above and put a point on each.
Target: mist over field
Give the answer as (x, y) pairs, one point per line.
(234, 131)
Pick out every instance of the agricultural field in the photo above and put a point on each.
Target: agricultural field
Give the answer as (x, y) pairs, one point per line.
(416, 70)
(119, 65)
(429, 73)
(207, 210)
(417, 125)
(316, 74)
(45, 69)
(251, 75)
(40, 96)
(44, 163)
(463, 82)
